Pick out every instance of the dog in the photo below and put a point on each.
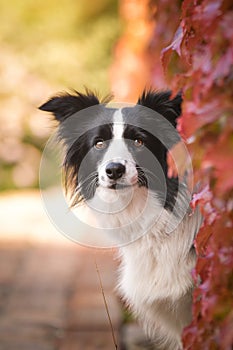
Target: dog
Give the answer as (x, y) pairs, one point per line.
(116, 163)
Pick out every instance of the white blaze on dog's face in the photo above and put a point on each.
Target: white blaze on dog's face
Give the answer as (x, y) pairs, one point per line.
(117, 168)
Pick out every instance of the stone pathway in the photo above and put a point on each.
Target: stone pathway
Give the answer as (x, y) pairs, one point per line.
(50, 296)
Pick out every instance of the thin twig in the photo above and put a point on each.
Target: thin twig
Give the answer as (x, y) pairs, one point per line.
(106, 305)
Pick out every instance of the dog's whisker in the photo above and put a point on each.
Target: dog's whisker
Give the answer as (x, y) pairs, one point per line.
(90, 177)
(91, 186)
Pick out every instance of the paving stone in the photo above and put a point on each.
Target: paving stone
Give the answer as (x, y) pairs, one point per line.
(88, 341)
(87, 311)
(15, 336)
(87, 277)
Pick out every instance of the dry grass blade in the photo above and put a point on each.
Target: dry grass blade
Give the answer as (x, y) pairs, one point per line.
(106, 306)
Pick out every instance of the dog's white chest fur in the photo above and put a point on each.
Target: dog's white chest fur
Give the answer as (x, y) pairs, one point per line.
(155, 273)
(156, 282)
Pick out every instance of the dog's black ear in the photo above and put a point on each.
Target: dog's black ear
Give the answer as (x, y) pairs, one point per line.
(64, 105)
(162, 103)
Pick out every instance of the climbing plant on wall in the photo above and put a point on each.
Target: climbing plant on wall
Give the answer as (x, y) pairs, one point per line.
(202, 49)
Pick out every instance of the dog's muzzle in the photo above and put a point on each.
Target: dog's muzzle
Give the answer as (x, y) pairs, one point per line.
(116, 174)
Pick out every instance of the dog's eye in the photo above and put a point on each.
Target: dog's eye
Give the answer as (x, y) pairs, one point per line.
(100, 144)
(138, 142)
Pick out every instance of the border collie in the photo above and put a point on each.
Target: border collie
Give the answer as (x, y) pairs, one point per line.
(116, 164)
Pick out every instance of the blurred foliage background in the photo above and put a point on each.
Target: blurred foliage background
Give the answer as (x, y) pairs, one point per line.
(47, 46)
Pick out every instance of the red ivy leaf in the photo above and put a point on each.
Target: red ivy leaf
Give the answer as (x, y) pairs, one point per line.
(174, 46)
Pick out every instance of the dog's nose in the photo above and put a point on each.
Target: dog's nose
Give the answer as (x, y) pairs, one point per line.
(115, 170)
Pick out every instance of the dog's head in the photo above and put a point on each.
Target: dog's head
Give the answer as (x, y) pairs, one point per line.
(116, 148)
